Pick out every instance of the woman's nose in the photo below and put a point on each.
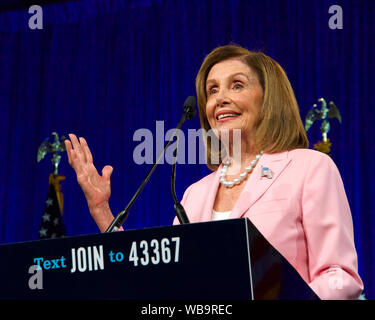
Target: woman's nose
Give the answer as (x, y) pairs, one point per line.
(222, 97)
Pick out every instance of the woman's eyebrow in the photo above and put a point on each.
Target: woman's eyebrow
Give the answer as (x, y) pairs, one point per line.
(239, 74)
(210, 81)
(230, 77)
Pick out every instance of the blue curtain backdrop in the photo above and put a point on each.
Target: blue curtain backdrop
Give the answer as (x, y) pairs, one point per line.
(104, 68)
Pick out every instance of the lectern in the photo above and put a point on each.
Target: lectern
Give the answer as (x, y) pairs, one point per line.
(221, 260)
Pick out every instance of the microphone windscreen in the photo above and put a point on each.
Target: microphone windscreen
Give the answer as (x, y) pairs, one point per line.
(189, 107)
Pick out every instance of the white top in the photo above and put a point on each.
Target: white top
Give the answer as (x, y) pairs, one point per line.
(220, 215)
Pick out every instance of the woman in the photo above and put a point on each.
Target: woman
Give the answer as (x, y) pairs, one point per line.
(293, 195)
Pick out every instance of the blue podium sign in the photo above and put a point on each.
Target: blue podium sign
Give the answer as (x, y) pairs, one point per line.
(221, 260)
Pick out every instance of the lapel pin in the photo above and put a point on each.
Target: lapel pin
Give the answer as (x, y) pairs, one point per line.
(266, 172)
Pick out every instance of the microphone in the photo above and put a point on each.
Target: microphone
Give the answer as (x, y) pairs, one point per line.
(189, 108)
(189, 113)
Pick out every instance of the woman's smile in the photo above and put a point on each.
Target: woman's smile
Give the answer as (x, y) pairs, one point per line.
(226, 115)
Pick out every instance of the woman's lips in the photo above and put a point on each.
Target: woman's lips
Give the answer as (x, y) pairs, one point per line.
(226, 115)
(227, 118)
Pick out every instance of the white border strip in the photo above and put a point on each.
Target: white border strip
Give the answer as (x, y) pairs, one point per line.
(248, 253)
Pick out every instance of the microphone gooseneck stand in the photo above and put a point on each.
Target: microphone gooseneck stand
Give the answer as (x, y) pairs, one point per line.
(189, 113)
(180, 211)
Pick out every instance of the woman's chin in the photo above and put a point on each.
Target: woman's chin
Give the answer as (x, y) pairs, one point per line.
(228, 128)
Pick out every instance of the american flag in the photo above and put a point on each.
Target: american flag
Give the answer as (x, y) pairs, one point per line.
(52, 225)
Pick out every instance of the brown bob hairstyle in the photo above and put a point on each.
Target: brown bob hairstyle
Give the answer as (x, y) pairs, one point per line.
(279, 126)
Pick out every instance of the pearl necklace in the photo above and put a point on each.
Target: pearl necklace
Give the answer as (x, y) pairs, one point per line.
(243, 175)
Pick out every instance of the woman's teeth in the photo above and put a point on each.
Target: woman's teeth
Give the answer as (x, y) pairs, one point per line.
(226, 115)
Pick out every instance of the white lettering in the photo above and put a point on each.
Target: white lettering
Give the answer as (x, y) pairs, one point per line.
(146, 147)
(98, 258)
(158, 310)
(90, 258)
(336, 21)
(36, 280)
(36, 21)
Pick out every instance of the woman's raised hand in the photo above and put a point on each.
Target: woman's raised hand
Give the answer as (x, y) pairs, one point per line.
(96, 187)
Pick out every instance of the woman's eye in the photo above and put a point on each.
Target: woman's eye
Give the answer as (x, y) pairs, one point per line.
(237, 86)
(212, 91)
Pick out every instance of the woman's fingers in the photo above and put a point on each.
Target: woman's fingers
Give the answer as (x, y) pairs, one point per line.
(77, 148)
(96, 187)
(68, 147)
(74, 160)
(86, 150)
(72, 156)
(107, 172)
(80, 158)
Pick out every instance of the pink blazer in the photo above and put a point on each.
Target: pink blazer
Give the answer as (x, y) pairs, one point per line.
(302, 211)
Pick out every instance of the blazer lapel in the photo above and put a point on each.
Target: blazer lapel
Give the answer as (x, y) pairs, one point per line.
(256, 185)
